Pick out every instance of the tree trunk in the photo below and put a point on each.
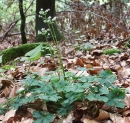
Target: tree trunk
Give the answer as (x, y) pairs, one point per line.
(45, 4)
(23, 21)
(117, 8)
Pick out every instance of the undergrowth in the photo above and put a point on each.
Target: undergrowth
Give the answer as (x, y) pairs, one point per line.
(58, 91)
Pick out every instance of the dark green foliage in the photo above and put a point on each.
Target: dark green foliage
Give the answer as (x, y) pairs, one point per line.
(60, 93)
(128, 43)
(43, 117)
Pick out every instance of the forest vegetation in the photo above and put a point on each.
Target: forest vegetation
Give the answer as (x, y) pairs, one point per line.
(65, 61)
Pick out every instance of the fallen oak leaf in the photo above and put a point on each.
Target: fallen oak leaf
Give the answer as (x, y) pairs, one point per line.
(14, 119)
(9, 114)
(89, 121)
(116, 118)
(91, 70)
(79, 62)
(103, 115)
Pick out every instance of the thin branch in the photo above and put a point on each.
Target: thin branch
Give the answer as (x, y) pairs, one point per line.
(117, 26)
(14, 24)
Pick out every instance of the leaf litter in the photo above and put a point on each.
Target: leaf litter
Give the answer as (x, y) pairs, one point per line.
(79, 63)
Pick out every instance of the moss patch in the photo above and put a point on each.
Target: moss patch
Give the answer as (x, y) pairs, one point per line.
(14, 52)
(111, 51)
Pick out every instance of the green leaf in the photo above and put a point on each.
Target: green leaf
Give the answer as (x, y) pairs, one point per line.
(107, 77)
(24, 59)
(33, 54)
(65, 109)
(54, 97)
(0, 59)
(101, 98)
(105, 74)
(43, 117)
(75, 88)
(104, 90)
(116, 93)
(91, 97)
(115, 97)
(7, 67)
(116, 103)
(60, 85)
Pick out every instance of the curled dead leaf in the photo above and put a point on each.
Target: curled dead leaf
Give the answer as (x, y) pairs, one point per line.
(79, 62)
(89, 121)
(103, 115)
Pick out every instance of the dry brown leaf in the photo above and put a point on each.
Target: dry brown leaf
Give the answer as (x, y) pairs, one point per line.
(6, 92)
(3, 100)
(124, 56)
(123, 63)
(6, 83)
(24, 120)
(103, 115)
(89, 66)
(127, 99)
(1, 117)
(124, 72)
(79, 62)
(97, 52)
(89, 121)
(69, 51)
(14, 119)
(118, 119)
(69, 118)
(105, 67)
(9, 114)
(126, 113)
(13, 92)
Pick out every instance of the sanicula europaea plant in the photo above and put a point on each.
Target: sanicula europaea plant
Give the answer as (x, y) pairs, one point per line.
(60, 93)
(50, 31)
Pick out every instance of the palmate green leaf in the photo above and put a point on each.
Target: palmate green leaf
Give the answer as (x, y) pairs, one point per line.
(91, 97)
(43, 117)
(54, 97)
(75, 88)
(107, 74)
(115, 103)
(104, 90)
(116, 93)
(115, 96)
(107, 77)
(60, 85)
(65, 109)
(101, 98)
(94, 97)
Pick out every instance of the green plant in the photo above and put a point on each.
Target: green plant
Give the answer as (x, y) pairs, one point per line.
(128, 43)
(50, 33)
(60, 94)
(111, 51)
(14, 52)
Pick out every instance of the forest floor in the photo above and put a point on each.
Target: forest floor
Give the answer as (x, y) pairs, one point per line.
(74, 56)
